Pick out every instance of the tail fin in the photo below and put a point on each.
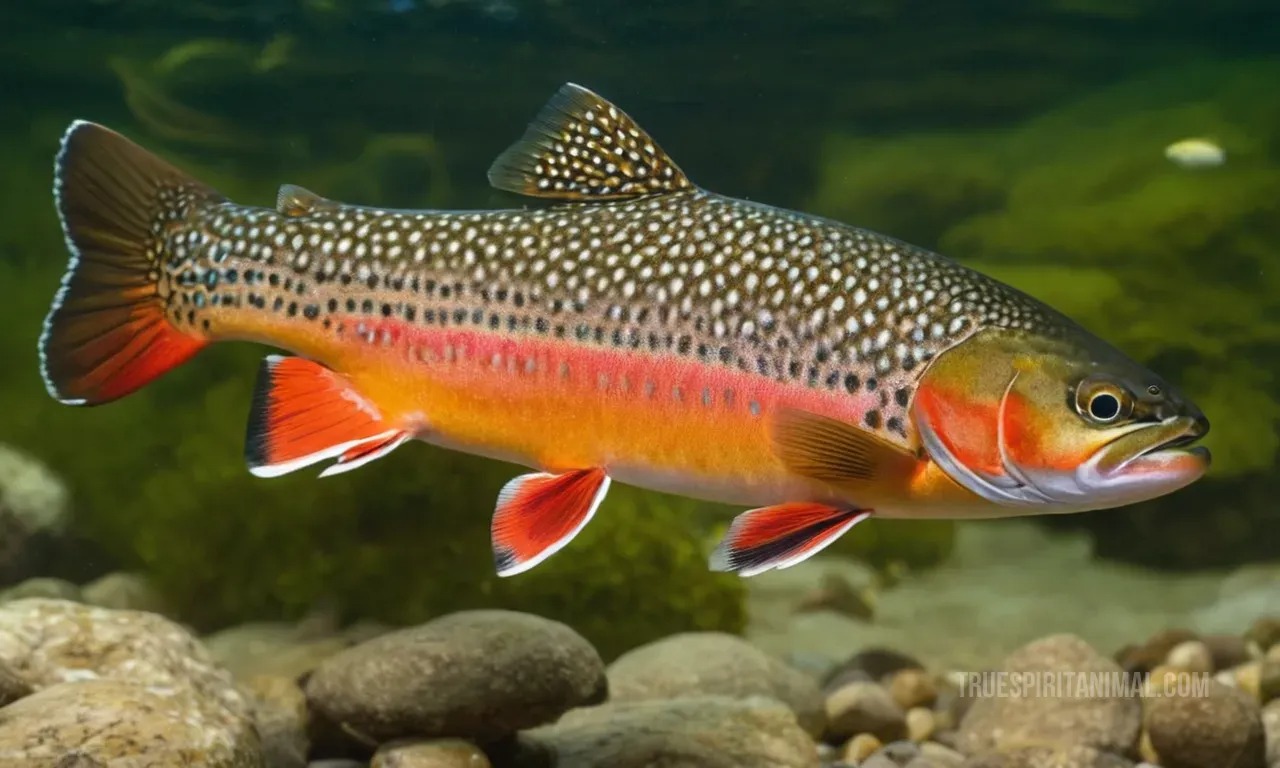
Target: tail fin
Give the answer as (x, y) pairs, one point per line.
(107, 333)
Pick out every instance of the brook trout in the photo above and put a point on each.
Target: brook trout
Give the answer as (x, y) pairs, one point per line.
(631, 327)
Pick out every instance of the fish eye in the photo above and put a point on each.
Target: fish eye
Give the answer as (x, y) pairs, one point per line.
(1104, 406)
(1153, 390)
(1102, 402)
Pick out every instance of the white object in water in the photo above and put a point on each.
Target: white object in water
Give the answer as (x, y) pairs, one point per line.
(1196, 153)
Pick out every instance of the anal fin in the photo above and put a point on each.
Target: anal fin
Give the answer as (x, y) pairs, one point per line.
(304, 413)
(538, 513)
(781, 536)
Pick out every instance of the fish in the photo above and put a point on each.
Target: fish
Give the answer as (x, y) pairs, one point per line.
(622, 324)
(1196, 153)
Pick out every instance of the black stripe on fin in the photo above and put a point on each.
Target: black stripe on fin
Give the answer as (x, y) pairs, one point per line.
(581, 147)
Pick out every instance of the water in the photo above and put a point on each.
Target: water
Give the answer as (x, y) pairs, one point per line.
(1027, 139)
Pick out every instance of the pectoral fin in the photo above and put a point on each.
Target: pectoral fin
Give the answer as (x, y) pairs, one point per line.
(834, 451)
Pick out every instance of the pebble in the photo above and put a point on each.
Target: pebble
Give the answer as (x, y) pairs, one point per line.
(40, 587)
(1153, 652)
(703, 731)
(863, 708)
(280, 715)
(1109, 725)
(1264, 632)
(939, 756)
(123, 591)
(1197, 731)
(115, 722)
(1191, 656)
(870, 665)
(1227, 650)
(12, 686)
(1268, 680)
(1074, 756)
(473, 674)
(1248, 678)
(272, 648)
(861, 747)
(1271, 729)
(913, 688)
(920, 723)
(436, 753)
(713, 663)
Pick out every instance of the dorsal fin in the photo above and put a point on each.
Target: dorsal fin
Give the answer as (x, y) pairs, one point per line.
(293, 200)
(581, 147)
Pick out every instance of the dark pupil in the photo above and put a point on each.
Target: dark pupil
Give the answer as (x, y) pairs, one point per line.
(1104, 407)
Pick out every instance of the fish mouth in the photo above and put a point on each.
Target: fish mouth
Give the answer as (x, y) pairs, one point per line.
(1166, 448)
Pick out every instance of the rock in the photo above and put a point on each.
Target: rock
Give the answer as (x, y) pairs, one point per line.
(860, 747)
(115, 722)
(938, 756)
(1248, 678)
(53, 641)
(1264, 632)
(1227, 650)
(269, 648)
(338, 762)
(280, 715)
(871, 665)
(473, 674)
(1075, 756)
(1191, 656)
(33, 508)
(53, 589)
(704, 731)
(920, 723)
(713, 663)
(1271, 729)
(12, 686)
(1143, 658)
(1195, 731)
(912, 688)
(1107, 724)
(1268, 680)
(441, 753)
(899, 752)
(123, 591)
(863, 708)
(837, 593)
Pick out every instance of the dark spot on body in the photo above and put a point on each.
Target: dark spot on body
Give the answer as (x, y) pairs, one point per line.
(293, 309)
(901, 397)
(872, 419)
(386, 310)
(872, 384)
(367, 306)
(311, 312)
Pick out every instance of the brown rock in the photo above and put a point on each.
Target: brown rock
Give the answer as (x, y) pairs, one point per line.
(280, 715)
(1264, 632)
(1269, 680)
(713, 664)
(860, 747)
(938, 756)
(996, 722)
(1227, 650)
(863, 708)
(114, 722)
(1075, 756)
(706, 731)
(913, 688)
(1143, 658)
(436, 753)
(12, 686)
(1220, 730)
(920, 723)
(1271, 728)
(472, 674)
(870, 665)
(1191, 656)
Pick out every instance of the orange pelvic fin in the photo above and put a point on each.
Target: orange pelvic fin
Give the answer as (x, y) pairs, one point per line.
(304, 413)
(108, 332)
(781, 536)
(539, 513)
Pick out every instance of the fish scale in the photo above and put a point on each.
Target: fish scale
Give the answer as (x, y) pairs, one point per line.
(638, 328)
(693, 274)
